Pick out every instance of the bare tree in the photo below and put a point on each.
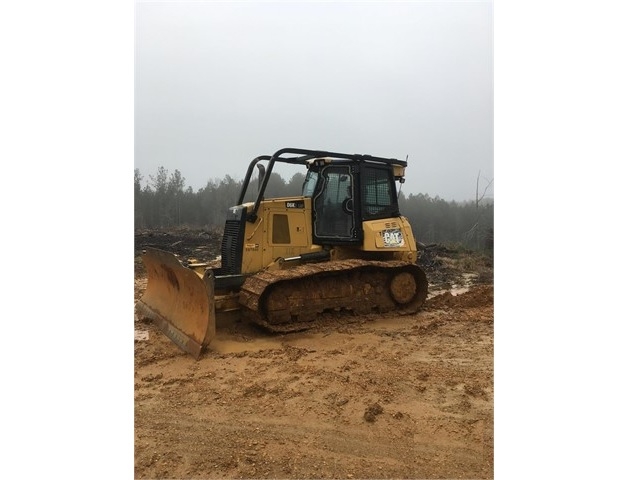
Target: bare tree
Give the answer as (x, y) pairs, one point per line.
(475, 230)
(477, 198)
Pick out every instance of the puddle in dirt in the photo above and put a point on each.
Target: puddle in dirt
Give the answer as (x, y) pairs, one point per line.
(457, 288)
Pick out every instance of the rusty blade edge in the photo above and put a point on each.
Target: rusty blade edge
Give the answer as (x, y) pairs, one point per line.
(178, 337)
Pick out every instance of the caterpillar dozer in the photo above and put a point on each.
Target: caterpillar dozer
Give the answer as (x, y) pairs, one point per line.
(341, 246)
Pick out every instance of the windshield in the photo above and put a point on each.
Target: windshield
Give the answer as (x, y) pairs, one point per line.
(309, 183)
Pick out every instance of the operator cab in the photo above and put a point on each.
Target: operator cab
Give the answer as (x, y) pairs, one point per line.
(346, 193)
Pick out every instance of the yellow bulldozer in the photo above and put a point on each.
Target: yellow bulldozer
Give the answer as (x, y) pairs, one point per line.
(341, 246)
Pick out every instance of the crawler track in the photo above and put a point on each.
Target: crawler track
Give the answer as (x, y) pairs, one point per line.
(290, 300)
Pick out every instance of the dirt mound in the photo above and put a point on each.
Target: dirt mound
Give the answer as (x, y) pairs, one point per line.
(477, 296)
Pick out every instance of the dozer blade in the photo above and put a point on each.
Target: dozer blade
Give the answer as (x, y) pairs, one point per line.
(179, 301)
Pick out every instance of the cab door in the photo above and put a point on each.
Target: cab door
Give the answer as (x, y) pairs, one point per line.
(335, 218)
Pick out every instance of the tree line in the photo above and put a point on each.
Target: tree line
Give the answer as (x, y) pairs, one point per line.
(166, 202)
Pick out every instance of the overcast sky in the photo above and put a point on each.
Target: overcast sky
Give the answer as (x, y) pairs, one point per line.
(219, 83)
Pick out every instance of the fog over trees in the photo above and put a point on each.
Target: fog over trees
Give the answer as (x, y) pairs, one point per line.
(166, 202)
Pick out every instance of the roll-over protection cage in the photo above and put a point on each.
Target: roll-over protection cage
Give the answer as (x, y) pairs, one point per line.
(301, 157)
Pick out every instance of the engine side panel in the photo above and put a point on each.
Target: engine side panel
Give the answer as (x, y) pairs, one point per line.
(283, 229)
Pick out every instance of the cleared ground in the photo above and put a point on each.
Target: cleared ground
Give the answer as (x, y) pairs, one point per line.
(377, 396)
